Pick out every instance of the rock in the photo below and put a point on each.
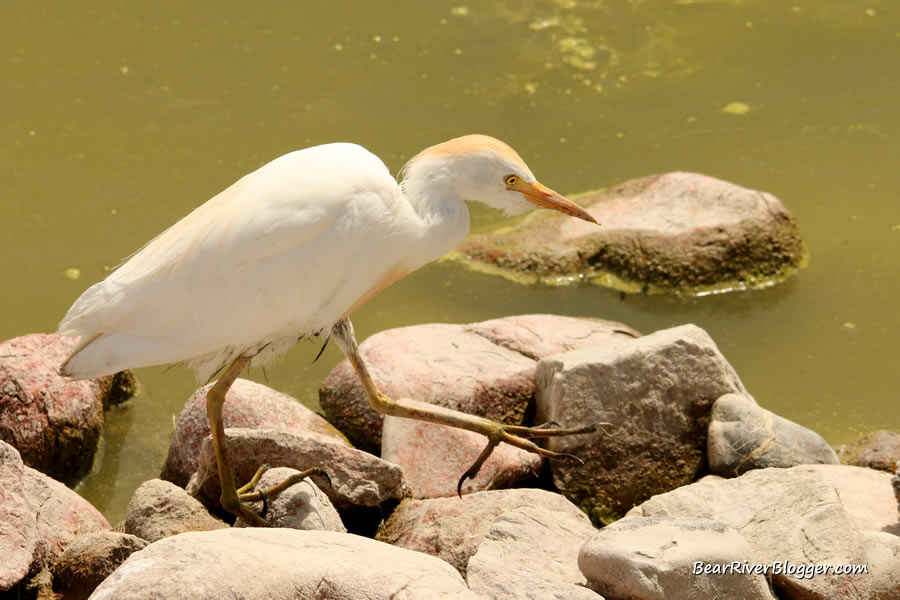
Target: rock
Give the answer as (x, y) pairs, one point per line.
(357, 477)
(876, 450)
(744, 436)
(39, 518)
(453, 528)
(280, 564)
(434, 363)
(664, 558)
(89, 560)
(247, 404)
(676, 232)
(883, 560)
(482, 369)
(656, 392)
(159, 509)
(895, 482)
(434, 457)
(865, 494)
(793, 516)
(18, 528)
(300, 506)
(53, 421)
(531, 553)
(539, 336)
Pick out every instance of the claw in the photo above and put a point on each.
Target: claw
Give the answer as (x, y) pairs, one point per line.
(265, 506)
(476, 466)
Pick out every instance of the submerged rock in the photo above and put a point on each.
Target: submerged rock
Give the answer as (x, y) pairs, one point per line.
(247, 404)
(53, 421)
(744, 436)
(280, 564)
(656, 392)
(676, 232)
(485, 369)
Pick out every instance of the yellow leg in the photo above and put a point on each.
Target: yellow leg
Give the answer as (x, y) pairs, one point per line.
(495, 432)
(215, 398)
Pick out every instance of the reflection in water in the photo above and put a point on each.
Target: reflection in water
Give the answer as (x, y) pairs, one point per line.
(120, 118)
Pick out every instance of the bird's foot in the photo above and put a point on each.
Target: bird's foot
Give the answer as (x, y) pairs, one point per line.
(520, 437)
(247, 493)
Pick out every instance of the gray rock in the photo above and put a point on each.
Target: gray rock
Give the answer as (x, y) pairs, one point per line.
(883, 560)
(89, 560)
(485, 369)
(876, 450)
(662, 558)
(434, 457)
(53, 421)
(247, 404)
(676, 232)
(357, 478)
(794, 515)
(280, 564)
(453, 528)
(531, 553)
(744, 436)
(300, 506)
(159, 509)
(656, 392)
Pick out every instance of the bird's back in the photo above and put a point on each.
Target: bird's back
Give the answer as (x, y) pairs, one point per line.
(278, 255)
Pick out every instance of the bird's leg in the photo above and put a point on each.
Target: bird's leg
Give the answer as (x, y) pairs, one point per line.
(234, 500)
(411, 409)
(215, 398)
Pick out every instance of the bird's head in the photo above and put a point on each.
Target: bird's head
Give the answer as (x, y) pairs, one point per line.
(479, 167)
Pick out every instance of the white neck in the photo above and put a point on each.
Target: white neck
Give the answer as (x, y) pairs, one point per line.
(443, 213)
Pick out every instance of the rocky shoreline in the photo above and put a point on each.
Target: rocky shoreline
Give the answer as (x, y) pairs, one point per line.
(693, 490)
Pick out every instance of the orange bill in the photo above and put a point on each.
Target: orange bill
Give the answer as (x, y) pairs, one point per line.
(538, 193)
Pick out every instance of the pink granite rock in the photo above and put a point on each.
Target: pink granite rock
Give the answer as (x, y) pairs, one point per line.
(454, 528)
(248, 405)
(39, 518)
(357, 477)
(52, 420)
(485, 369)
(434, 457)
(159, 509)
(280, 564)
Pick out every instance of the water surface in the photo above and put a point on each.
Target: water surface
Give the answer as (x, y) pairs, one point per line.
(120, 117)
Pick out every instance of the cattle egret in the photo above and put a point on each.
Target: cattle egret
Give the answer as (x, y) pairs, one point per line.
(289, 252)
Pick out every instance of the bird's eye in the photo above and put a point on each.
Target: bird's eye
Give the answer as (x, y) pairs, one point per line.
(510, 180)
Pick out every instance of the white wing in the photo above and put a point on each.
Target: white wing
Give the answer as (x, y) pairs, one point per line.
(282, 253)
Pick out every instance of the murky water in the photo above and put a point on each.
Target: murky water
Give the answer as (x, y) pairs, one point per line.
(119, 117)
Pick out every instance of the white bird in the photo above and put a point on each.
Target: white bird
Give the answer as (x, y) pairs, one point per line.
(290, 251)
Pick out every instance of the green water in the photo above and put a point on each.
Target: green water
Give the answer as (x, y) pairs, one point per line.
(119, 117)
